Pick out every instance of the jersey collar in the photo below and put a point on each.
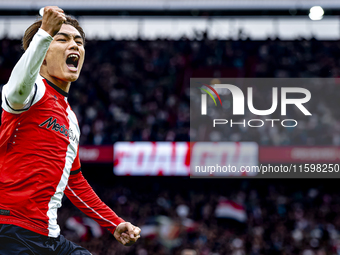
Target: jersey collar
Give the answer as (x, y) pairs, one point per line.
(59, 90)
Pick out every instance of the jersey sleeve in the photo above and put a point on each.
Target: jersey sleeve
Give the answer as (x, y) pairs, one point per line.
(83, 196)
(21, 90)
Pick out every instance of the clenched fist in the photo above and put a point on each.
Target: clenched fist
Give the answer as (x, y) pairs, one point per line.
(52, 19)
(126, 233)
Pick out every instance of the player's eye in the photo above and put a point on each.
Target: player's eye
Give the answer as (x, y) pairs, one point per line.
(79, 43)
(61, 40)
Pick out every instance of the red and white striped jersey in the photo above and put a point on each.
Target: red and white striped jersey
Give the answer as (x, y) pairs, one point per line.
(39, 155)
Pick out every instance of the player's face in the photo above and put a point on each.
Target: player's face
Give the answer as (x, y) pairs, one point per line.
(65, 56)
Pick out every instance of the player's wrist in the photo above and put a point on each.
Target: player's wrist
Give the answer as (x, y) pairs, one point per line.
(47, 30)
(44, 34)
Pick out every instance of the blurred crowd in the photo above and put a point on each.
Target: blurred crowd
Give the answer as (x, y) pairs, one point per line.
(139, 90)
(281, 219)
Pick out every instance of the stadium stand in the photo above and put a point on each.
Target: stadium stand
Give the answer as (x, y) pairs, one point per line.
(139, 90)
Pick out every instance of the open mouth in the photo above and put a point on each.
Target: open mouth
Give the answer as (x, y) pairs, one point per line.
(72, 62)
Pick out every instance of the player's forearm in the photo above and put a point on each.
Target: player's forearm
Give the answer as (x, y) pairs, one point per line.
(82, 196)
(25, 72)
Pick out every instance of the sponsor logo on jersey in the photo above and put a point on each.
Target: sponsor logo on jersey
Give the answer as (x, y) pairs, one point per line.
(55, 126)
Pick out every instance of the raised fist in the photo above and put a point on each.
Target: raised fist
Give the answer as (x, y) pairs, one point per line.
(52, 19)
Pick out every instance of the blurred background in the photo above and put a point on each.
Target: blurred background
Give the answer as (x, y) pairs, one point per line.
(132, 103)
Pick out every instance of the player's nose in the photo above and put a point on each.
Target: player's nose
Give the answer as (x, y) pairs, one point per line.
(73, 45)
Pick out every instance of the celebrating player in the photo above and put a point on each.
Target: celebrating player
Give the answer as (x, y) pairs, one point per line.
(39, 144)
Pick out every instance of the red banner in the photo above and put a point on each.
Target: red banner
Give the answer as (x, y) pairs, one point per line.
(177, 153)
(152, 158)
(299, 154)
(96, 154)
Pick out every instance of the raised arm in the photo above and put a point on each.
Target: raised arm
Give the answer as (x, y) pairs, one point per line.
(19, 89)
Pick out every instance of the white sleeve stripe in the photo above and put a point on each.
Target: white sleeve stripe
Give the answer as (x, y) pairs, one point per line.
(90, 207)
